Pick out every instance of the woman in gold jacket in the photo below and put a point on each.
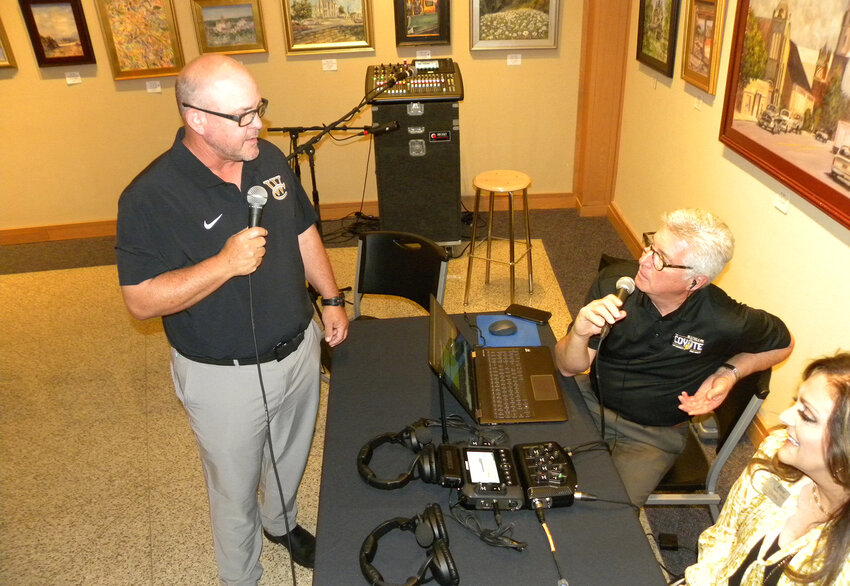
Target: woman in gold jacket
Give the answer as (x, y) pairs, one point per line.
(787, 518)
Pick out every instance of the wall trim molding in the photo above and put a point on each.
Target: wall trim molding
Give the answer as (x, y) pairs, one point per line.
(331, 211)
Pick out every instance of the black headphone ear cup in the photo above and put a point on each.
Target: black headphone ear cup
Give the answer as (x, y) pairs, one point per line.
(442, 564)
(426, 464)
(431, 526)
(416, 437)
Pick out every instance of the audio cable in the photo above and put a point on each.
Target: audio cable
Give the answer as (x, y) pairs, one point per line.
(269, 431)
(537, 504)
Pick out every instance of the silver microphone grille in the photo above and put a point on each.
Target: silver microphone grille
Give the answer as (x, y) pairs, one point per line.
(257, 196)
(626, 283)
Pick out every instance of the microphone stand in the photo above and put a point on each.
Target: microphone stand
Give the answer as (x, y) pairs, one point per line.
(309, 147)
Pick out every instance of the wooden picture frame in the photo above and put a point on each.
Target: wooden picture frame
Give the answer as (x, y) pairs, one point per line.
(7, 58)
(311, 27)
(422, 22)
(703, 39)
(793, 133)
(141, 38)
(658, 22)
(58, 32)
(229, 26)
(495, 25)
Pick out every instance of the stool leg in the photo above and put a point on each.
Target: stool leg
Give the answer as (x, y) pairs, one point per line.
(528, 240)
(511, 240)
(489, 238)
(472, 245)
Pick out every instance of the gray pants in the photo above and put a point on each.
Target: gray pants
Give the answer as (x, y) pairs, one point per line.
(642, 453)
(227, 415)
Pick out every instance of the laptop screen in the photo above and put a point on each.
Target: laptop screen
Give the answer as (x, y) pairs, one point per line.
(449, 355)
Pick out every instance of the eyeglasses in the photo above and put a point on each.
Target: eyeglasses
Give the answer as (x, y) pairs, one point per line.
(241, 119)
(657, 260)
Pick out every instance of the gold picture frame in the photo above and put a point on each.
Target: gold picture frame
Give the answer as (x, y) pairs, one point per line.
(703, 39)
(7, 58)
(229, 26)
(141, 38)
(318, 26)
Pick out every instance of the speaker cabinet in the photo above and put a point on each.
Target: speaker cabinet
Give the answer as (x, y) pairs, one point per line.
(418, 169)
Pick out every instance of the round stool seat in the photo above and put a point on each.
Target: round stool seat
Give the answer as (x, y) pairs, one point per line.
(502, 181)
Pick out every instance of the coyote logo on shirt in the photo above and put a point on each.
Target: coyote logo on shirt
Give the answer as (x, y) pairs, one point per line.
(277, 187)
(690, 343)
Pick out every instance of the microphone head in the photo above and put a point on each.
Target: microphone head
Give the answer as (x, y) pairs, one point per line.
(257, 196)
(627, 284)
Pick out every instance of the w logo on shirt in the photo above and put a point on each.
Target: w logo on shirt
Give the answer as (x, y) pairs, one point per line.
(277, 187)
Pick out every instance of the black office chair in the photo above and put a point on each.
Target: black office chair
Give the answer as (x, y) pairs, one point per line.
(400, 264)
(692, 480)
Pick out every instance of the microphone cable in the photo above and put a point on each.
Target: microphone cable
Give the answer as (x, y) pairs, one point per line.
(269, 430)
(541, 516)
(499, 537)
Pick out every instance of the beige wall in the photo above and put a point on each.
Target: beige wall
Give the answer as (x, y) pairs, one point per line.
(70, 150)
(793, 265)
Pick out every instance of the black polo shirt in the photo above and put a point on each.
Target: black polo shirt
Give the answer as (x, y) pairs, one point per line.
(648, 359)
(177, 213)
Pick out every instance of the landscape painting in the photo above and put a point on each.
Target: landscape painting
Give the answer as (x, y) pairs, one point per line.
(229, 26)
(57, 31)
(658, 21)
(787, 106)
(514, 24)
(324, 26)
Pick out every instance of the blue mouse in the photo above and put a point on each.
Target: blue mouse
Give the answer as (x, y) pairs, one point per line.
(502, 327)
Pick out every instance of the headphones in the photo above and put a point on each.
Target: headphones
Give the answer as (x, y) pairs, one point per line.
(417, 438)
(430, 530)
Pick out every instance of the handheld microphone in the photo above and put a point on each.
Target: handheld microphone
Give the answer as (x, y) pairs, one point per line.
(400, 76)
(257, 198)
(379, 129)
(625, 287)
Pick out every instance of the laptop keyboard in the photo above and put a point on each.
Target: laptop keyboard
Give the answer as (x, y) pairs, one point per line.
(506, 384)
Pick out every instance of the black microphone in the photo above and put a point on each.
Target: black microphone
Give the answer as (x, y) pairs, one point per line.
(379, 129)
(257, 198)
(625, 287)
(400, 76)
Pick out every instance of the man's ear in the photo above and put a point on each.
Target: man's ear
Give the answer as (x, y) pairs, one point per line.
(196, 120)
(697, 282)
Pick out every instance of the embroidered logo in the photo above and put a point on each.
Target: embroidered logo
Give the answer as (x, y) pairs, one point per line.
(208, 225)
(277, 187)
(688, 343)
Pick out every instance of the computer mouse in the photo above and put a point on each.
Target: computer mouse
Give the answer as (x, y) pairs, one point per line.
(502, 327)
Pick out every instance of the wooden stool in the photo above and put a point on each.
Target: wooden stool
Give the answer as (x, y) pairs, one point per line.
(500, 182)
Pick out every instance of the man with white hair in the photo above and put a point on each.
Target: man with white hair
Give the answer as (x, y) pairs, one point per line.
(678, 347)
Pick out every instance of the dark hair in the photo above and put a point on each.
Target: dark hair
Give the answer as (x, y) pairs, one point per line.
(833, 546)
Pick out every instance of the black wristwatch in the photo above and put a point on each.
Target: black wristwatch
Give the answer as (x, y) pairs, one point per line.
(334, 301)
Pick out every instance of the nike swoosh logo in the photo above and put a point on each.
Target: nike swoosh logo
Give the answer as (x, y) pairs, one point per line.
(209, 225)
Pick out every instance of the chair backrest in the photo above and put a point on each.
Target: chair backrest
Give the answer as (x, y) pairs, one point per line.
(402, 264)
(730, 413)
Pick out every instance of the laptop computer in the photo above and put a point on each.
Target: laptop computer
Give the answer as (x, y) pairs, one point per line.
(494, 385)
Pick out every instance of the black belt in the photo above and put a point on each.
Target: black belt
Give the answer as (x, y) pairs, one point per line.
(279, 352)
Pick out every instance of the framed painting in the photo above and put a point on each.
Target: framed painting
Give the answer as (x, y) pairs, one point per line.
(141, 38)
(58, 32)
(229, 26)
(513, 24)
(323, 26)
(658, 21)
(7, 59)
(422, 22)
(785, 109)
(703, 38)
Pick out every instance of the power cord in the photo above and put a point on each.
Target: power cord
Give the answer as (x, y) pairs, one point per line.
(269, 430)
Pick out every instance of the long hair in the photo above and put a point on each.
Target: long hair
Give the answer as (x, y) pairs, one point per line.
(833, 546)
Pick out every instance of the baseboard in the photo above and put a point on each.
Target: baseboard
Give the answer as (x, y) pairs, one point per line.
(330, 211)
(57, 232)
(625, 230)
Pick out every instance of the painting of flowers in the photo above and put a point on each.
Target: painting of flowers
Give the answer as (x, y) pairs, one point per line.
(517, 24)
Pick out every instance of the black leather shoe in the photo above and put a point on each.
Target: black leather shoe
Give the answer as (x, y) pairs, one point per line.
(303, 545)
